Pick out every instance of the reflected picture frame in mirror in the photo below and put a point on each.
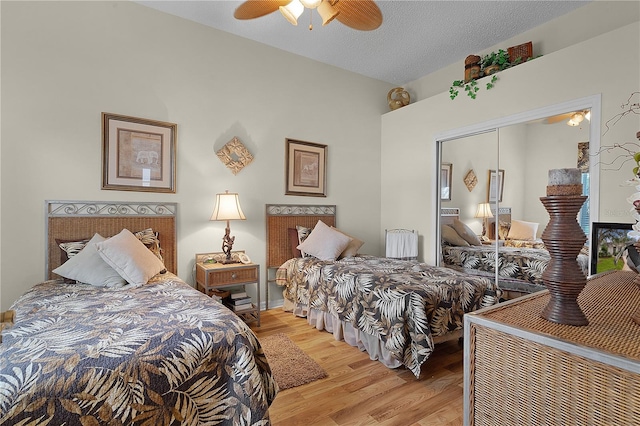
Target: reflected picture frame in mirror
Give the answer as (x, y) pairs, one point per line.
(446, 173)
(496, 186)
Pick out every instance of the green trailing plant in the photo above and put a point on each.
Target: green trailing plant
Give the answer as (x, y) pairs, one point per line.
(470, 87)
(499, 58)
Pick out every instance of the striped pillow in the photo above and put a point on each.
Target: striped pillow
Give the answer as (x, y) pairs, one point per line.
(147, 236)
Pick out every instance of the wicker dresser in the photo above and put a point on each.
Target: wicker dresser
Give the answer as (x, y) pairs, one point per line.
(520, 369)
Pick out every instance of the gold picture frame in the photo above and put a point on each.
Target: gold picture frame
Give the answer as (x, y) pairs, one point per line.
(306, 166)
(138, 154)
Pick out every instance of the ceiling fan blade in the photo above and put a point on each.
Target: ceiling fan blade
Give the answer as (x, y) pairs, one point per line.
(252, 9)
(363, 15)
(557, 118)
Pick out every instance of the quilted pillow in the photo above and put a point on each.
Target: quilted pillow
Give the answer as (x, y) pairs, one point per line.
(521, 230)
(71, 248)
(147, 236)
(450, 236)
(151, 241)
(535, 244)
(466, 233)
(293, 241)
(87, 266)
(324, 242)
(127, 255)
(352, 248)
(503, 230)
(303, 233)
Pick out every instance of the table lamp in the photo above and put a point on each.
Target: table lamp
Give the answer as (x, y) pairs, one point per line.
(484, 212)
(227, 208)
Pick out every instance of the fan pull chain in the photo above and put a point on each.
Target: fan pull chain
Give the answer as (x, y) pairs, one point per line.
(310, 19)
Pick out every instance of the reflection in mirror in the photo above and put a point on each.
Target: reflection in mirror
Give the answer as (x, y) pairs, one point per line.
(500, 221)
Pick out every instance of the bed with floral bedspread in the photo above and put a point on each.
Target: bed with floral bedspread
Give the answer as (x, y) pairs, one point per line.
(158, 354)
(402, 304)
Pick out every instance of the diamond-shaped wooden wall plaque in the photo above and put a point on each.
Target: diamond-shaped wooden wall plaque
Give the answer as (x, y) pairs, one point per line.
(235, 155)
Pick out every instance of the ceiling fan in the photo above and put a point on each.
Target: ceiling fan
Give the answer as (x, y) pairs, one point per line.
(363, 15)
(573, 118)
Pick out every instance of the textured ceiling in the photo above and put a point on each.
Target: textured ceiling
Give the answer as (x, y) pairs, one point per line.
(415, 39)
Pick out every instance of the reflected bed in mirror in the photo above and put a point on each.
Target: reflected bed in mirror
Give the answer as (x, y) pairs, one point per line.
(522, 258)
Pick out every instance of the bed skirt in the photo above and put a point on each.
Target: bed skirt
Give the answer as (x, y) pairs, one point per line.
(344, 331)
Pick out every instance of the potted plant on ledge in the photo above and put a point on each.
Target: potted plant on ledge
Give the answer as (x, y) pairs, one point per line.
(494, 62)
(488, 65)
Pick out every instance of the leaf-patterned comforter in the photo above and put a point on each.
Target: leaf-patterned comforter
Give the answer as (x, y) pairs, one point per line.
(401, 303)
(159, 354)
(520, 263)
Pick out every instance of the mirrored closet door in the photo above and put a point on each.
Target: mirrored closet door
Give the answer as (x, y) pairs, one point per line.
(491, 181)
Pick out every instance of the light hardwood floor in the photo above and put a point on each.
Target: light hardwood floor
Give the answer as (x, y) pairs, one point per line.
(359, 391)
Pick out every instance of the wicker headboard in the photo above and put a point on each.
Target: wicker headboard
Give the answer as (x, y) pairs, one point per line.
(77, 220)
(281, 217)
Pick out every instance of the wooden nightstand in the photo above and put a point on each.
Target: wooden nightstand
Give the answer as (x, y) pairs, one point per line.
(215, 276)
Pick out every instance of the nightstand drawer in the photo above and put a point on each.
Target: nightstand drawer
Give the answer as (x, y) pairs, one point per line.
(235, 276)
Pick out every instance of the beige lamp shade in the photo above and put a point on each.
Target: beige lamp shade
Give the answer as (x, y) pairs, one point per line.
(227, 207)
(292, 11)
(483, 211)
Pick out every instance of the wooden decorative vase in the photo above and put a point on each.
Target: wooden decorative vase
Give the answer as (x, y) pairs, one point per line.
(564, 278)
(636, 315)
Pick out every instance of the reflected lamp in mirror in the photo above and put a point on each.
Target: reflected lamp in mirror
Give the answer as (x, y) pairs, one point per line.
(484, 212)
(227, 208)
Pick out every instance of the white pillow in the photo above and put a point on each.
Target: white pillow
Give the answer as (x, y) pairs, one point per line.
(324, 243)
(352, 248)
(521, 230)
(87, 266)
(127, 255)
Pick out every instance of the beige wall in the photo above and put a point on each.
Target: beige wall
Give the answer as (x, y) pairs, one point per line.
(408, 134)
(63, 63)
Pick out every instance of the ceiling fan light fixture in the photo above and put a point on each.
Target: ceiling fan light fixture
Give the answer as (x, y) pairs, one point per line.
(292, 11)
(310, 4)
(576, 119)
(327, 12)
(588, 115)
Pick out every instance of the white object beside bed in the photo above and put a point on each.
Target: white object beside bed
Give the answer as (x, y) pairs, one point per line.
(401, 244)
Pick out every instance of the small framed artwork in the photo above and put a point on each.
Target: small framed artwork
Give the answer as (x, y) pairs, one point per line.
(607, 242)
(446, 171)
(496, 185)
(138, 154)
(306, 168)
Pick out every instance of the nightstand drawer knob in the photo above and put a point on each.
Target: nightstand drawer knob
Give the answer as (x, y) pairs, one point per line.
(234, 275)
